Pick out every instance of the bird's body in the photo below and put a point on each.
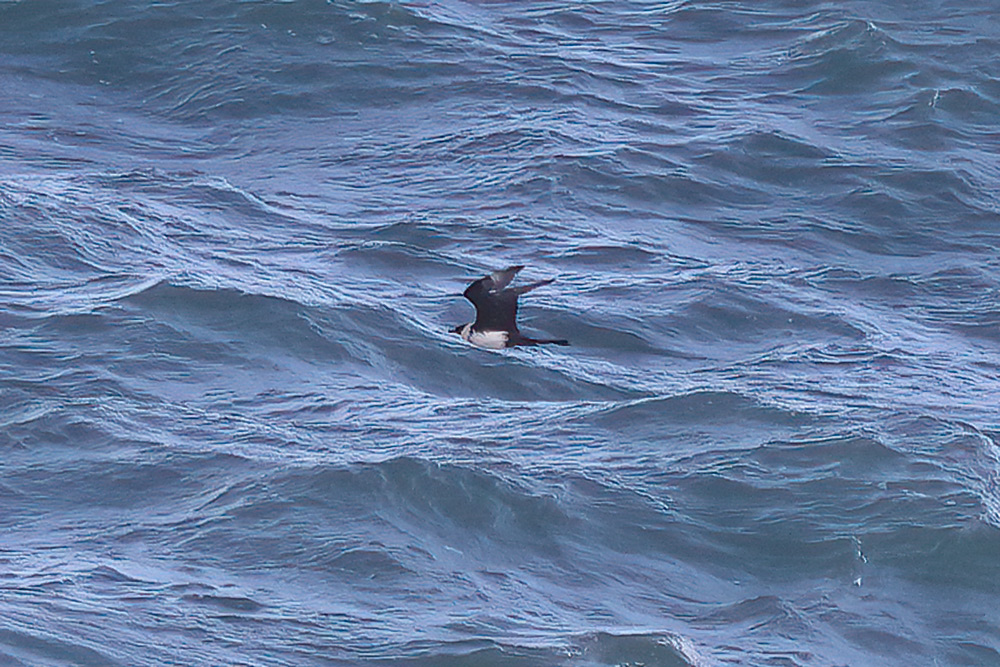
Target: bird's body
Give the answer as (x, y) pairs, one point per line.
(496, 312)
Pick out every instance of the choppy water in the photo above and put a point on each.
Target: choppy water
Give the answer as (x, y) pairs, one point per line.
(234, 428)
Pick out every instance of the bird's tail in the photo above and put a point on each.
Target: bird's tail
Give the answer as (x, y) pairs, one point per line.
(524, 340)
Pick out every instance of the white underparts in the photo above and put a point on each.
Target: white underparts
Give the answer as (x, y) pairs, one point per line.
(494, 340)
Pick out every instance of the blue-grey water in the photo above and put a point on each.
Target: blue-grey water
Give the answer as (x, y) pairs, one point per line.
(235, 428)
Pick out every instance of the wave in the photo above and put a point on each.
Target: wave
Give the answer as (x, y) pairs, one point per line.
(234, 423)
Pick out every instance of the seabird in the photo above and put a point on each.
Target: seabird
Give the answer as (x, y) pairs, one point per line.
(496, 312)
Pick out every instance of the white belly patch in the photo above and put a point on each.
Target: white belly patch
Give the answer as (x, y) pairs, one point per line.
(494, 340)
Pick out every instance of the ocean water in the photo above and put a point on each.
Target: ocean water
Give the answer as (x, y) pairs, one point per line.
(235, 428)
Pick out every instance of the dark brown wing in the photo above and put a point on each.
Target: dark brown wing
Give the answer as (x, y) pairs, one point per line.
(496, 307)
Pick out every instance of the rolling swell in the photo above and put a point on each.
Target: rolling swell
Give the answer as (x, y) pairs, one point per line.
(235, 429)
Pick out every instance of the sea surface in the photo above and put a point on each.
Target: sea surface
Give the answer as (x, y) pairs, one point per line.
(236, 430)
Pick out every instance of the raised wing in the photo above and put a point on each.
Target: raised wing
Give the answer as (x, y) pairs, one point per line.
(493, 283)
(496, 308)
(502, 278)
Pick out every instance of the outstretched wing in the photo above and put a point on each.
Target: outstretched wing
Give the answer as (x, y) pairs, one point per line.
(508, 298)
(496, 308)
(502, 278)
(524, 289)
(480, 290)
